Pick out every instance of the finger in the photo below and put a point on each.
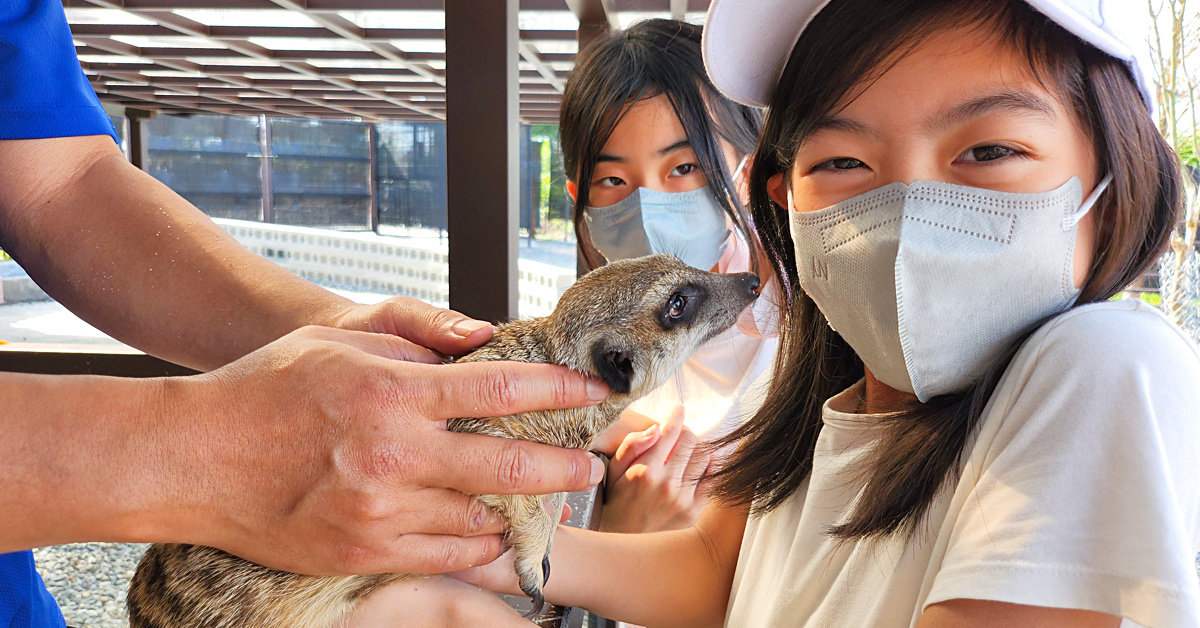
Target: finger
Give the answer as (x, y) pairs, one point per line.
(681, 456)
(434, 553)
(382, 345)
(446, 331)
(445, 511)
(567, 511)
(697, 465)
(611, 438)
(490, 389)
(499, 575)
(479, 465)
(631, 448)
(705, 484)
(658, 454)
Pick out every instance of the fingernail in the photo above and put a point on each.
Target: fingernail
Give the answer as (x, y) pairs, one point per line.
(468, 326)
(650, 431)
(597, 471)
(596, 390)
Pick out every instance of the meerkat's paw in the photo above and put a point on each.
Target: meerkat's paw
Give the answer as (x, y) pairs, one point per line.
(530, 532)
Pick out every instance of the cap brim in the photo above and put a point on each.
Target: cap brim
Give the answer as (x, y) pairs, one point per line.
(744, 51)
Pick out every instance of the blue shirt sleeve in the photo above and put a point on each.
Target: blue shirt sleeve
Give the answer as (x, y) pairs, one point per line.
(43, 91)
(24, 600)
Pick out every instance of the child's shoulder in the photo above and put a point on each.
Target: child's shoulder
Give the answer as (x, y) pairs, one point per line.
(1113, 335)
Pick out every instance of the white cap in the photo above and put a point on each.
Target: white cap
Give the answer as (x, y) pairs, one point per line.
(748, 42)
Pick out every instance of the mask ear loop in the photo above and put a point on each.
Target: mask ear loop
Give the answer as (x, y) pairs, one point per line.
(1069, 222)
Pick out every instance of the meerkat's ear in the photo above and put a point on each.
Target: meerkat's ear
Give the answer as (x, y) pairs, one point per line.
(613, 366)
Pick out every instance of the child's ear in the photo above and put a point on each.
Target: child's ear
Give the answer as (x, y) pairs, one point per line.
(572, 190)
(777, 189)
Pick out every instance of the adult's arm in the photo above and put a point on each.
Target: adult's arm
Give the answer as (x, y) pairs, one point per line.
(679, 578)
(324, 452)
(139, 262)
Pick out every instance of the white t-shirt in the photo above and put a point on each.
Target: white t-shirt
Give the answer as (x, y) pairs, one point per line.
(1081, 490)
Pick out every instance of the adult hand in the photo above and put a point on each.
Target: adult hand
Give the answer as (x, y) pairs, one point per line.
(444, 331)
(326, 452)
(653, 480)
(433, 602)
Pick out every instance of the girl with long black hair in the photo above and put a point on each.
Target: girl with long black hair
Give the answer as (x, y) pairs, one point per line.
(963, 428)
(654, 154)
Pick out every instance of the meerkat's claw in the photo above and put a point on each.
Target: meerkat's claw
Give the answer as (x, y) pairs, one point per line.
(545, 570)
(539, 604)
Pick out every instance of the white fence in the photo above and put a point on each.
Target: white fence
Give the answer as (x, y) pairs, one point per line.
(366, 262)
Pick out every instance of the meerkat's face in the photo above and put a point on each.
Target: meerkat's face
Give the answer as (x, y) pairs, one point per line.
(634, 322)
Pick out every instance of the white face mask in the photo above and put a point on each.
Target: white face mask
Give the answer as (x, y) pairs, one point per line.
(929, 282)
(689, 225)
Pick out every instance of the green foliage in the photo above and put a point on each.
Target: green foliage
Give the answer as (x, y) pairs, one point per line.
(1187, 152)
(555, 206)
(4, 256)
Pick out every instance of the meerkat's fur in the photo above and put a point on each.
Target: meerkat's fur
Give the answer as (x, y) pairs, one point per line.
(631, 323)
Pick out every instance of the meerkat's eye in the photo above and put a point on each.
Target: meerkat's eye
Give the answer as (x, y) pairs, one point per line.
(681, 307)
(676, 306)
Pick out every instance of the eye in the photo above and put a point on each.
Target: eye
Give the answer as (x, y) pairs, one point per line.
(981, 154)
(840, 163)
(676, 306)
(610, 182)
(684, 170)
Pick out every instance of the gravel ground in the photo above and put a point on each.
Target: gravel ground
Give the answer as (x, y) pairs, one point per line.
(89, 581)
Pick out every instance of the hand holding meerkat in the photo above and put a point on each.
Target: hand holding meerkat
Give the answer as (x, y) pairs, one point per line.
(631, 323)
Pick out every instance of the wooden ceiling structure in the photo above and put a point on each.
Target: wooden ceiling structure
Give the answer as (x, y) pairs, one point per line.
(371, 60)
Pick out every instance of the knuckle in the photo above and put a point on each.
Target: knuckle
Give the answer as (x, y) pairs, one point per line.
(562, 387)
(384, 463)
(450, 557)
(475, 517)
(516, 467)
(501, 391)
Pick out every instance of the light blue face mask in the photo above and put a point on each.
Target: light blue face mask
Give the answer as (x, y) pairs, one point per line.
(689, 225)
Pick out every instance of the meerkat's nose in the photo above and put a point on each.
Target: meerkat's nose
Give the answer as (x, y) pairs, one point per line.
(750, 283)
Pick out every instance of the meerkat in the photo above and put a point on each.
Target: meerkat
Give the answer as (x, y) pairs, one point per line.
(630, 323)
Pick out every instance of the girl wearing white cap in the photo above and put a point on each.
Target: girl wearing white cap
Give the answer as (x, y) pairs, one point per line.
(652, 151)
(962, 428)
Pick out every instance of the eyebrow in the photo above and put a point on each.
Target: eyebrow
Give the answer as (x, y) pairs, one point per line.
(1013, 101)
(846, 125)
(679, 145)
(1017, 102)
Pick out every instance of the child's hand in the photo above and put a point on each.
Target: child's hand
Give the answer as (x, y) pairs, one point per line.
(434, 602)
(500, 575)
(652, 480)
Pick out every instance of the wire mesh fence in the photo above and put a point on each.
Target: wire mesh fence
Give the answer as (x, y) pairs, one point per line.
(1180, 289)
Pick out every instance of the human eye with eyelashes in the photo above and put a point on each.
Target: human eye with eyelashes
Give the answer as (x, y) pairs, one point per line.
(989, 153)
(684, 170)
(838, 163)
(609, 182)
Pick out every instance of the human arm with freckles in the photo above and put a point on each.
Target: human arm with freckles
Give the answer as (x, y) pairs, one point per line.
(678, 578)
(139, 262)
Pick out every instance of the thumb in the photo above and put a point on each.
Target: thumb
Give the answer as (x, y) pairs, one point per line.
(632, 448)
(435, 328)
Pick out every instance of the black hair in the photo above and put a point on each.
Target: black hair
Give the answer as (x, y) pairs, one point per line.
(847, 45)
(648, 59)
